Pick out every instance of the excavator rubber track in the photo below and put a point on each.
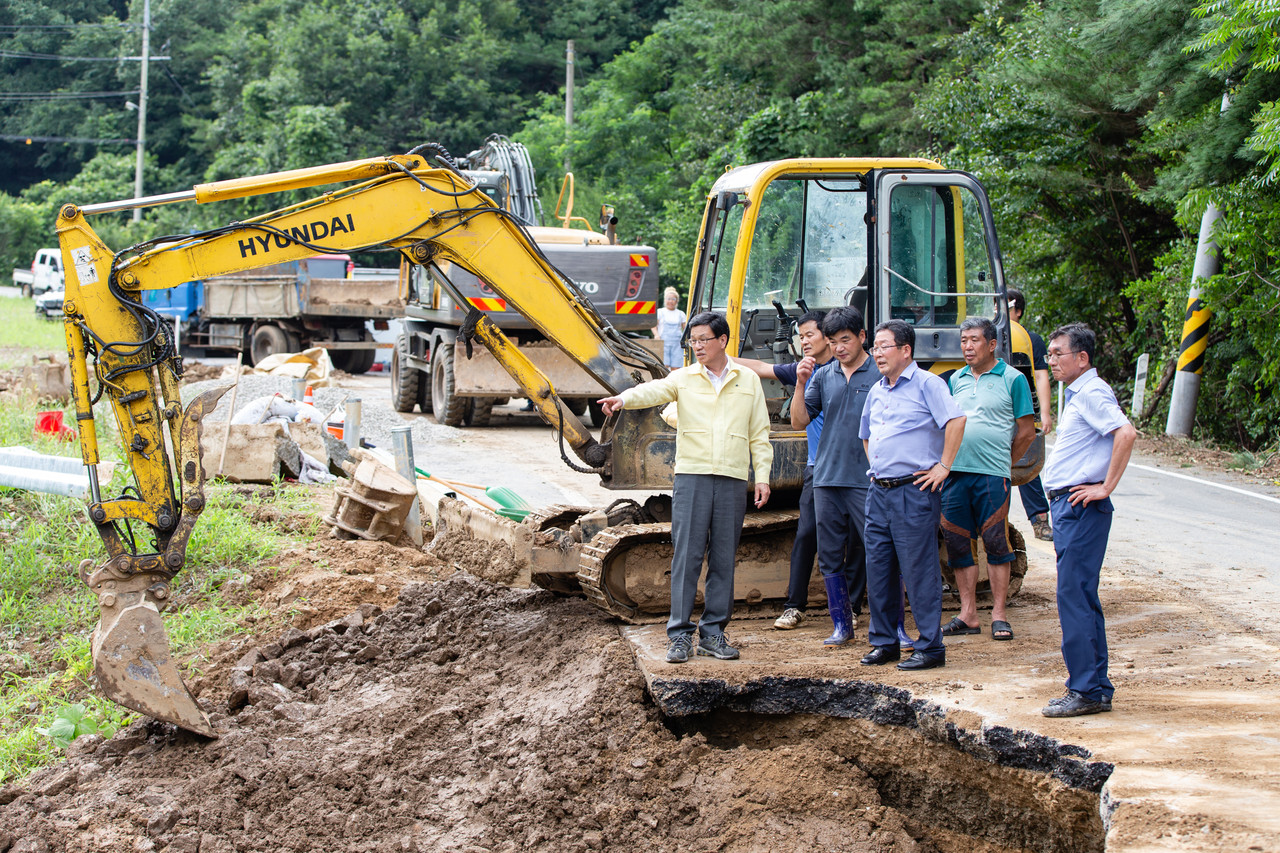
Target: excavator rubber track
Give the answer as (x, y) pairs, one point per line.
(607, 579)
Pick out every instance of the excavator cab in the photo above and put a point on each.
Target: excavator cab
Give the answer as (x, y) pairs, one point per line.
(895, 238)
(898, 239)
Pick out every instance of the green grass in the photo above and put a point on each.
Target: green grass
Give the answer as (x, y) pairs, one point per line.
(23, 327)
(47, 614)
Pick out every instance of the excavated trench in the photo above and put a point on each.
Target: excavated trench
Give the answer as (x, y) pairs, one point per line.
(987, 785)
(949, 797)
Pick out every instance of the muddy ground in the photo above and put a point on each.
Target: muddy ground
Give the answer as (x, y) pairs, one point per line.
(466, 717)
(412, 707)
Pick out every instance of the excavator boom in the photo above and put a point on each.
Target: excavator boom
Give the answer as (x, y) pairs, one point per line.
(121, 350)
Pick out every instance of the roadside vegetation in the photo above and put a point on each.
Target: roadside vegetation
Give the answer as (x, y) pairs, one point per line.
(47, 613)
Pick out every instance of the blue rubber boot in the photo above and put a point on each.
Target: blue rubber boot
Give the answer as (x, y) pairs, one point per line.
(840, 609)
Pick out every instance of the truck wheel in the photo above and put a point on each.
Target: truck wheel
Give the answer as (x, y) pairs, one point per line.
(404, 378)
(267, 341)
(353, 360)
(577, 405)
(448, 409)
(481, 409)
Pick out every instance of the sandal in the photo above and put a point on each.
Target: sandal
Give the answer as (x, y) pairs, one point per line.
(1001, 630)
(957, 626)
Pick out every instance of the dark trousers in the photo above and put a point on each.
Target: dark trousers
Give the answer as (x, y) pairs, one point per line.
(706, 521)
(841, 512)
(805, 548)
(902, 547)
(1080, 540)
(1034, 500)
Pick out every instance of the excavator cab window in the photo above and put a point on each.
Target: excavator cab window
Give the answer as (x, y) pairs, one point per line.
(810, 243)
(939, 259)
(722, 235)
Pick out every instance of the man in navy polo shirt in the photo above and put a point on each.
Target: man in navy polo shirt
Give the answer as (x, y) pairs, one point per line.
(1095, 441)
(817, 352)
(911, 431)
(837, 393)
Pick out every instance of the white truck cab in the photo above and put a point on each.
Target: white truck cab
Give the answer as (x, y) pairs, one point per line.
(46, 271)
(45, 274)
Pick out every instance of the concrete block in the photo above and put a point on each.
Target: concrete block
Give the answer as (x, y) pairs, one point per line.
(253, 451)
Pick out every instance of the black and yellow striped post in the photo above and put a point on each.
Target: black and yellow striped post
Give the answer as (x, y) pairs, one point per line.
(1195, 332)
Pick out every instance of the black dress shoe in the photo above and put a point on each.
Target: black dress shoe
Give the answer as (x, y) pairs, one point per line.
(919, 660)
(1075, 704)
(881, 655)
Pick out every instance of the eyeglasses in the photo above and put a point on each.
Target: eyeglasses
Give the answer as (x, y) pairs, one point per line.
(1053, 355)
(693, 342)
(878, 349)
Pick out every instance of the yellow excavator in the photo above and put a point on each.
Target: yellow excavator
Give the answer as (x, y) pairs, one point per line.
(897, 238)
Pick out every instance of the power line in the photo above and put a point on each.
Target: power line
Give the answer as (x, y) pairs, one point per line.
(62, 96)
(15, 54)
(17, 28)
(5, 137)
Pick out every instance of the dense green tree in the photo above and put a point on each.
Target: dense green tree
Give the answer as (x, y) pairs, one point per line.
(727, 83)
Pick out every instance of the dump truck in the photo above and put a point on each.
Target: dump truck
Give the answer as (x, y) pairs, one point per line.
(896, 237)
(621, 281)
(320, 301)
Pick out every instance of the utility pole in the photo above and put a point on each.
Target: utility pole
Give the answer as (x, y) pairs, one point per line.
(142, 105)
(568, 108)
(1195, 324)
(1195, 332)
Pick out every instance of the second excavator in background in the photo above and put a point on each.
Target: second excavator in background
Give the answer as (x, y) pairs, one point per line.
(621, 282)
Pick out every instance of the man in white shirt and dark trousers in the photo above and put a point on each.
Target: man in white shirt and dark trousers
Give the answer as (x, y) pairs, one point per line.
(1095, 440)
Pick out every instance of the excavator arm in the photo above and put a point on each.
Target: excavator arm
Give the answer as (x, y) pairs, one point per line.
(396, 203)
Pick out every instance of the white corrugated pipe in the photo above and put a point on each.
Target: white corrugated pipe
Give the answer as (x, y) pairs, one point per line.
(23, 468)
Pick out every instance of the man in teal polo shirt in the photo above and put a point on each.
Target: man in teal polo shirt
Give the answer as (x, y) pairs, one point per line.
(999, 427)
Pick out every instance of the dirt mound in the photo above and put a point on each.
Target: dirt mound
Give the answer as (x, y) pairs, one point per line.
(468, 717)
(198, 371)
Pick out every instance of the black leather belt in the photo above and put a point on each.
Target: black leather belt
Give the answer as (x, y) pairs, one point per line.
(893, 482)
(1054, 494)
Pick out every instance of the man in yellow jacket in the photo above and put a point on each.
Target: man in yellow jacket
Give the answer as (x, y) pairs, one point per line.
(722, 433)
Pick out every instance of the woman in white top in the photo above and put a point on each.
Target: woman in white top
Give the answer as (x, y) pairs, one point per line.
(671, 322)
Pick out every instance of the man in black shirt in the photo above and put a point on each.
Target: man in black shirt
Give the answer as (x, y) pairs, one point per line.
(1034, 500)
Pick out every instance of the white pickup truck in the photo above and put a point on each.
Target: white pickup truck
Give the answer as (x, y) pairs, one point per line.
(45, 274)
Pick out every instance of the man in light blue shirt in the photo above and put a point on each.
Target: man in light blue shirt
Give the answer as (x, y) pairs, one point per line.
(1095, 440)
(911, 431)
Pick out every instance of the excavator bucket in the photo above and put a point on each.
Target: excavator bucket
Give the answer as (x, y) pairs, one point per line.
(131, 658)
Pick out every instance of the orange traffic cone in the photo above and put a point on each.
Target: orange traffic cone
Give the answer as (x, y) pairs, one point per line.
(308, 397)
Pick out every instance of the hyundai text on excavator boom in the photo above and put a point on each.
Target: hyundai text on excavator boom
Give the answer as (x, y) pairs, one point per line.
(897, 238)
